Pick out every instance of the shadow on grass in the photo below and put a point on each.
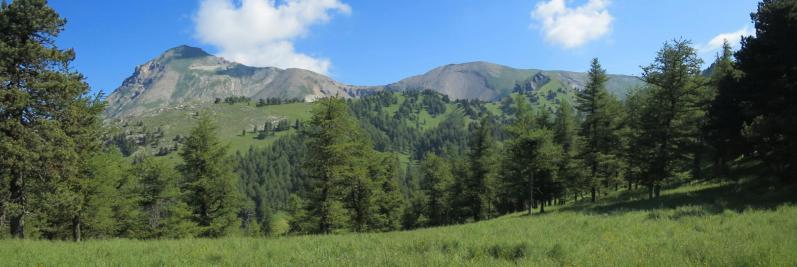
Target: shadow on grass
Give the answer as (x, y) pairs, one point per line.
(735, 196)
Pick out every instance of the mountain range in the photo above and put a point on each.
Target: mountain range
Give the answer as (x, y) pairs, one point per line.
(185, 74)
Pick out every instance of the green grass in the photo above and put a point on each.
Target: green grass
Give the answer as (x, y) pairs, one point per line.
(392, 109)
(428, 122)
(552, 87)
(694, 225)
(494, 108)
(231, 121)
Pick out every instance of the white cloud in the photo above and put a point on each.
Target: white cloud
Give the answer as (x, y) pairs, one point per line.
(261, 32)
(733, 38)
(572, 27)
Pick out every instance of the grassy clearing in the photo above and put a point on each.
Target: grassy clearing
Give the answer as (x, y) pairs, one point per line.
(428, 122)
(692, 225)
(232, 119)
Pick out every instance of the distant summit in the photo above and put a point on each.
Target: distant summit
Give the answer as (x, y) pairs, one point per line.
(184, 51)
(489, 81)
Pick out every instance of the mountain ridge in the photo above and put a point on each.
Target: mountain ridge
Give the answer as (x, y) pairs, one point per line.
(186, 74)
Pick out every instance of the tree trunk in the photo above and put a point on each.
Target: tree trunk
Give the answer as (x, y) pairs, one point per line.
(542, 207)
(76, 228)
(697, 173)
(17, 221)
(489, 209)
(531, 193)
(17, 225)
(650, 191)
(2, 215)
(323, 221)
(725, 170)
(657, 190)
(594, 172)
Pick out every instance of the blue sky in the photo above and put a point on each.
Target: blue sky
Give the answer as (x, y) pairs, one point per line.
(366, 42)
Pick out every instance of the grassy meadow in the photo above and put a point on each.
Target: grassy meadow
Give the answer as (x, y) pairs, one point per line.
(693, 225)
(231, 119)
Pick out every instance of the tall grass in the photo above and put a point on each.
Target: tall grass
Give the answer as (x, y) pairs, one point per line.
(607, 234)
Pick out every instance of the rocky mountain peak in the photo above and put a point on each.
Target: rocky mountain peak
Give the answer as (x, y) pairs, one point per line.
(184, 74)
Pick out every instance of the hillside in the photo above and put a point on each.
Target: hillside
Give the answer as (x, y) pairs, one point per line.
(238, 124)
(699, 224)
(187, 74)
(168, 126)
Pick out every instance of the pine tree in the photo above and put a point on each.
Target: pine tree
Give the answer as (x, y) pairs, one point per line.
(566, 136)
(267, 128)
(414, 213)
(767, 88)
(544, 118)
(436, 183)
(256, 211)
(723, 130)
(599, 130)
(335, 166)
(166, 214)
(74, 193)
(676, 83)
(513, 186)
(460, 210)
(479, 183)
(93, 190)
(388, 200)
(638, 152)
(86, 205)
(357, 195)
(45, 116)
(300, 221)
(127, 212)
(566, 128)
(208, 182)
(529, 163)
